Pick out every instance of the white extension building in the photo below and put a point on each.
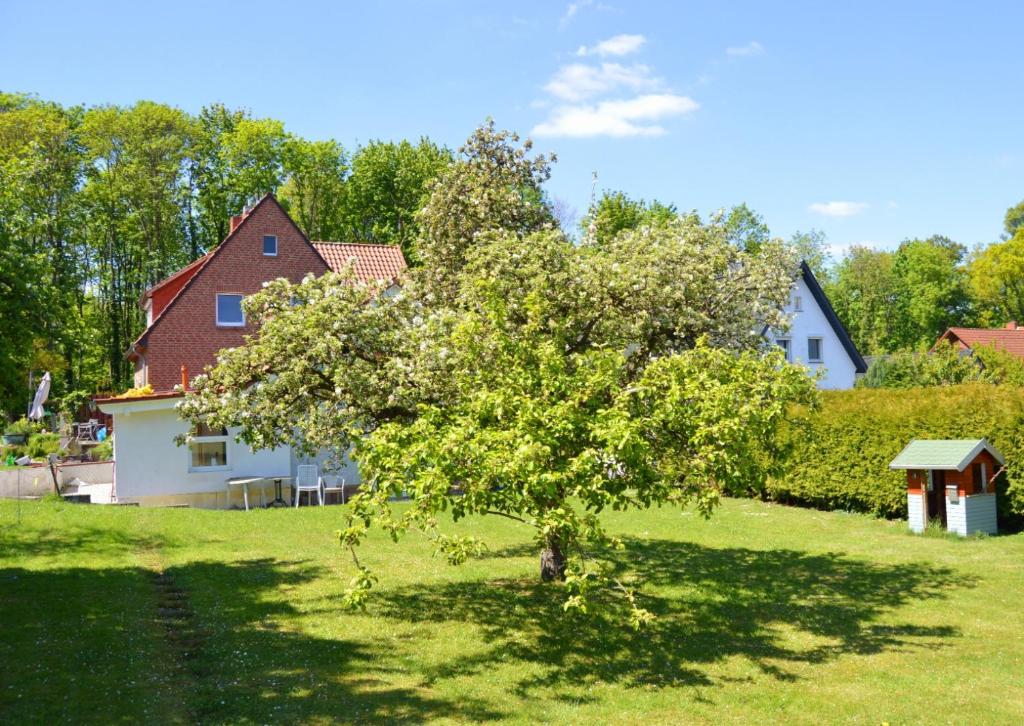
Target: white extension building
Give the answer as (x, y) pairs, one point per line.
(816, 338)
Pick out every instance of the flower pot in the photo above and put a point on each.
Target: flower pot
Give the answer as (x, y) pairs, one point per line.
(15, 439)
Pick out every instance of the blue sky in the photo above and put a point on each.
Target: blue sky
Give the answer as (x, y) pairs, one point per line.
(873, 122)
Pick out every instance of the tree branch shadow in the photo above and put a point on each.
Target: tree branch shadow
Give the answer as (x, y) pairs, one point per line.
(772, 607)
(112, 655)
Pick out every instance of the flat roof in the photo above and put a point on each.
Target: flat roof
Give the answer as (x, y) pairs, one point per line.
(131, 399)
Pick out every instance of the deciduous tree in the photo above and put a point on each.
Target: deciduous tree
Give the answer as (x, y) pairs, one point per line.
(556, 381)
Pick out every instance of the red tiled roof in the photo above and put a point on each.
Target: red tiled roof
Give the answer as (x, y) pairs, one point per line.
(372, 262)
(188, 271)
(1012, 341)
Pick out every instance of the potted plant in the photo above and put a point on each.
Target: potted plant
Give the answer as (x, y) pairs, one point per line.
(17, 433)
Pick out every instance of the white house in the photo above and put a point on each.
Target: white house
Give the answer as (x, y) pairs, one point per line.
(816, 338)
(191, 316)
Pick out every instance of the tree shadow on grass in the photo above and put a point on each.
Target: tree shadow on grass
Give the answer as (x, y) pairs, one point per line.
(85, 645)
(80, 539)
(772, 607)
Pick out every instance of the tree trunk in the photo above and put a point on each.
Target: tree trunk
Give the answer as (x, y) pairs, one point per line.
(552, 561)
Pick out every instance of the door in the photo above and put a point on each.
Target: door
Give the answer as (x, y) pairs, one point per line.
(937, 497)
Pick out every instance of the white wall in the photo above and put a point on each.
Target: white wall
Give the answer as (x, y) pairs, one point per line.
(916, 512)
(810, 322)
(149, 463)
(973, 513)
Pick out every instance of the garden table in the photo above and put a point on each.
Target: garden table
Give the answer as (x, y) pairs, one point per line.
(245, 481)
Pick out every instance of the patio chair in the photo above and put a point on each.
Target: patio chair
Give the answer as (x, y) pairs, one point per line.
(309, 481)
(334, 484)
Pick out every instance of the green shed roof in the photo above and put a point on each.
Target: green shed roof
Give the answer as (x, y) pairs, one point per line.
(948, 454)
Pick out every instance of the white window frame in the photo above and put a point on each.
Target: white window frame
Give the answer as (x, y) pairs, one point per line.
(821, 349)
(216, 310)
(798, 304)
(210, 440)
(273, 237)
(788, 348)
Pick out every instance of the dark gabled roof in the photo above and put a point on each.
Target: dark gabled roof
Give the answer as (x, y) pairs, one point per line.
(833, 319)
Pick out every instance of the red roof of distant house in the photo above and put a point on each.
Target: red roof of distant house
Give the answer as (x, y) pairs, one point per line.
(372, 262)
(1010, 338)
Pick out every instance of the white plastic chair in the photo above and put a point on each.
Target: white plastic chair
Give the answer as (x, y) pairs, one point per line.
(308, 480)
(334, 484)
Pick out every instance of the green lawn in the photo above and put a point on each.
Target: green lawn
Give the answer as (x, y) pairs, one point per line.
(765, 614)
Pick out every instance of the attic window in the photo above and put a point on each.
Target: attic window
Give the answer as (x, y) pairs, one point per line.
(229, 311)
(269, 245)
(814, 350)
(798, 304)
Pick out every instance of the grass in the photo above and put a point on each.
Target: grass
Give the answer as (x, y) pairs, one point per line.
(765, 613)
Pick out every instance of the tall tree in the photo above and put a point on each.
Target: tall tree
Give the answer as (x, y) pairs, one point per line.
(996, 277)
(812, 248)
(315, 189)
(41, 166)
(864, 292)
(1014, 220)
(209, 176)
(616, 212)
(133, 195)
(932, 289)
(746, 228)
(390, 183)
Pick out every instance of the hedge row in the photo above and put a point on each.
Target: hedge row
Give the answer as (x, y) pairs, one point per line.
(839, 455)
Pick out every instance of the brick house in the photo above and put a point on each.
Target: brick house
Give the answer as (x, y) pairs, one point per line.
(191, 316)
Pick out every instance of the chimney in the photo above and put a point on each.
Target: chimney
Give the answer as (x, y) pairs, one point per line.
(1012, 325)
(235, 221)
(184, 377)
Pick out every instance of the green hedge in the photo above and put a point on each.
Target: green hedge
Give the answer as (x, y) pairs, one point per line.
(839, 455)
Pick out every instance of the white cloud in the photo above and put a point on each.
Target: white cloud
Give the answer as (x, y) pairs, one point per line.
(838, 209)
(623, 44)
(751, 48)
(617, 118)
(573, 8)
(578, 81)
(590, 99)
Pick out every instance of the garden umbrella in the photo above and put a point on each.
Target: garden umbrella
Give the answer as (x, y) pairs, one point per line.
(36, 412)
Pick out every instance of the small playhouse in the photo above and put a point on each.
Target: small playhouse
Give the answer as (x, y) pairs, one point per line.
(953, 482)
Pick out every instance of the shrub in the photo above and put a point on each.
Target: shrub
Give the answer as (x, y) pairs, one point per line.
(42, 445)
(104, 451)
(22, 426)
(947, 365)
(839, 455)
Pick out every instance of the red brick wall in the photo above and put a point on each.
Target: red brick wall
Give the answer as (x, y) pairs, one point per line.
(187, 333)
